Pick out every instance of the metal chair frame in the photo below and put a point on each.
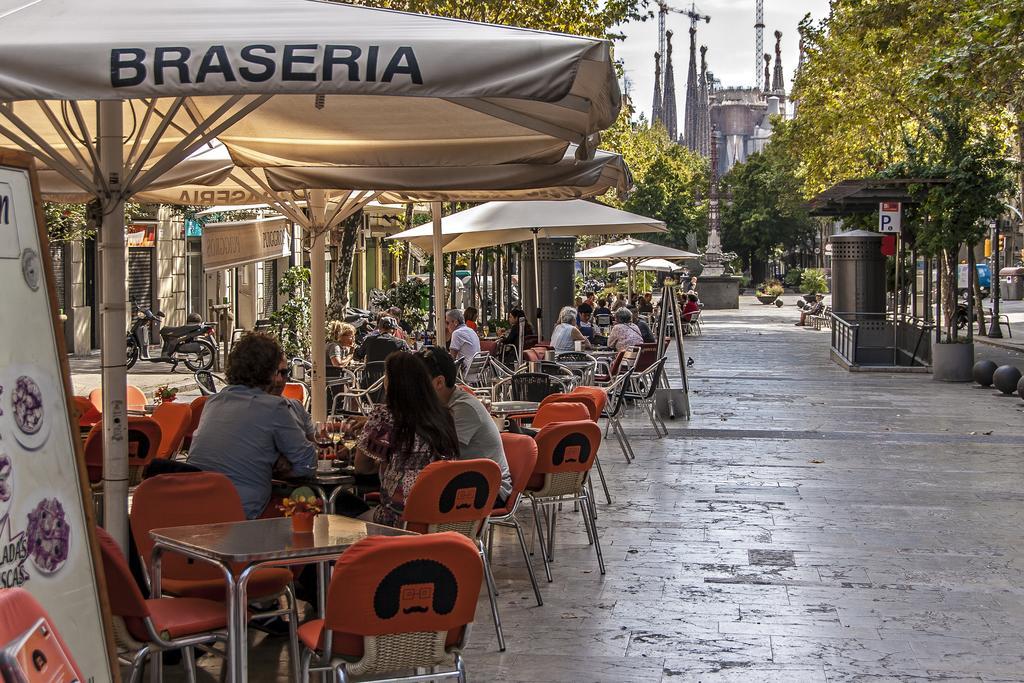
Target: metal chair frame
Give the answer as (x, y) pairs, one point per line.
(642, 390)
(617, 393)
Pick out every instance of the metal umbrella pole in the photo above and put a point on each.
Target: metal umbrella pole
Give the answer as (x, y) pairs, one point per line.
(536, 285)
(439, 299)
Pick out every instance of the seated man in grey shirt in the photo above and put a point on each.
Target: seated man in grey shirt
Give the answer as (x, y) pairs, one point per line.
(245, 429)
(478, 435)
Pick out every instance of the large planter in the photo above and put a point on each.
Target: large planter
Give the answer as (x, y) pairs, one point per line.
(953, 362)
(766, 299)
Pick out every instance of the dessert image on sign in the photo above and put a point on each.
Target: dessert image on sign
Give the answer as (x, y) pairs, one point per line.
(25, 394)
(48, 536)
(6, 482)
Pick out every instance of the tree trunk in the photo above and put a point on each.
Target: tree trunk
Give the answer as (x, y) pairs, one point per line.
(407, 254)
(949, 292)
(343, 270)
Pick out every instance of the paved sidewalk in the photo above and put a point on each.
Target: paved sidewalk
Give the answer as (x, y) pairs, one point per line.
(808, 524)
(86, 376)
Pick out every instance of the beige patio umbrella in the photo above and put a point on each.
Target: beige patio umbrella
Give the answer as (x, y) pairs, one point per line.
(112, 95)
(658, 265)
(631, 251)
(318, 210)
(505, 222)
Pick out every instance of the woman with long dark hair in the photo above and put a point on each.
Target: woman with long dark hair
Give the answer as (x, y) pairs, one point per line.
(405, 434)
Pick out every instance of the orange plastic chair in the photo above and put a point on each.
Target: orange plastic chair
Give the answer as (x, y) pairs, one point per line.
(395, 605)
(212, 498)
(197, 412)
(20, 615)
(457, 495)
(597, 395)
(136, 399)
(521, 454)
(174, 420)
(144, 436)
(297, 391)
(573, 397)
(560, 411)
(566, 452)
(87, 413)
(148, 627)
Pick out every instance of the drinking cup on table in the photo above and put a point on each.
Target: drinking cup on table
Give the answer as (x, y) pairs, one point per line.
(578, 345)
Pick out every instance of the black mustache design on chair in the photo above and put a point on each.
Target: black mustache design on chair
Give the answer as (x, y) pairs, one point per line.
(416, 587)
(573, 448)
(452, 497)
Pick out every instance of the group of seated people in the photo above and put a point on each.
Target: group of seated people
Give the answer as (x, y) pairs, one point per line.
(252, 435)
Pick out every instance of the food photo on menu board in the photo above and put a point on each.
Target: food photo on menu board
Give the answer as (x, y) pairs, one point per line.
(44, 528)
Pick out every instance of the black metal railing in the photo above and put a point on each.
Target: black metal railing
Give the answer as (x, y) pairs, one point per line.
(844, 339)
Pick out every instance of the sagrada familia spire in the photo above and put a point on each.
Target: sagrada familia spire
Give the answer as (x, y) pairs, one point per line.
(656, 112)
(668, 108)
(778, 78)
(691, 123)
(703, 106)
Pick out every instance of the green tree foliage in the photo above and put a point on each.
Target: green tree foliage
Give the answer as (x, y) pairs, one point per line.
(292, 319)
(767, 210)
(579, 17)
(671, 190)
(969, 157)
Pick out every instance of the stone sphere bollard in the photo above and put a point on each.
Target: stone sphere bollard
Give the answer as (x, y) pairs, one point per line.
(779, 303)
(1005, 378)
(983, 371)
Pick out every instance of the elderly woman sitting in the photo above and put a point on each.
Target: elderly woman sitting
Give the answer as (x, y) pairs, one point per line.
(566, 334)
(625, 333)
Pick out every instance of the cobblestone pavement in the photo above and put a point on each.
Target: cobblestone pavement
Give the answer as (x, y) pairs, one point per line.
(808, 524)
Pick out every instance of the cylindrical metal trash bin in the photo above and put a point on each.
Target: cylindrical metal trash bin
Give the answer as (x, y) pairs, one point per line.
(1012, 286)
(858, 273)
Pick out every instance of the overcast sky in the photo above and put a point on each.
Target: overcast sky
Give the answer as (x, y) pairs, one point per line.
(729, 37)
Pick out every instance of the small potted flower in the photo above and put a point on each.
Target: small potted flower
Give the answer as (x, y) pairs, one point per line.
(303, 507)
(768, 291)
(165, 394)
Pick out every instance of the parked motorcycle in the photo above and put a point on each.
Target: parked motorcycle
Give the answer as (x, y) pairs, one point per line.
(191, 343)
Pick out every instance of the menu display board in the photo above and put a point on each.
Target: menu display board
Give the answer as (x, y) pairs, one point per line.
(45, 542)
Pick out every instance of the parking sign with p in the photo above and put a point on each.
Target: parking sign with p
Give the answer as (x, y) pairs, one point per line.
(889, 214)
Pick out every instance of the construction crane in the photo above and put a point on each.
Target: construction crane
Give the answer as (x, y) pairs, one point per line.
(663, 10)
(759, 42)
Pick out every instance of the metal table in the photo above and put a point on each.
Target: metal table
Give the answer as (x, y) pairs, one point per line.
(239, 548)
(325, 478)
(505, 408)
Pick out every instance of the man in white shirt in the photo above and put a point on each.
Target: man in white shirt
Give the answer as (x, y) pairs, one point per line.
(463, 342)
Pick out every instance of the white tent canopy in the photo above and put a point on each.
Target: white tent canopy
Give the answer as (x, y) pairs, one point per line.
(506, 222)
(631, 251)
(652, 264)
(112, 95)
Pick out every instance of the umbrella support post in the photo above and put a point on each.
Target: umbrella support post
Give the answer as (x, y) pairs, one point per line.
(318, 302)
(438, 257)
(113, 297)
(536, 286)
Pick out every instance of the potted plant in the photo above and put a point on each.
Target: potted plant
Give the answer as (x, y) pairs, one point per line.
(813, 282)
(966, 173)
(768, 291)
(302, 506)
(164, 394)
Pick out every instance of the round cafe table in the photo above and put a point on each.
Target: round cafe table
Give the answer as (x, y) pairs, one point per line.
(505, 408)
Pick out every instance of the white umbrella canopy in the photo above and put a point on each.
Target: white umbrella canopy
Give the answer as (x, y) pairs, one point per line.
(632, 250)
(113, 94)
(652, 264)
(506, 222)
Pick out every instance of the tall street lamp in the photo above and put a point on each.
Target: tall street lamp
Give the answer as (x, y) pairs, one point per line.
(993, 329)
